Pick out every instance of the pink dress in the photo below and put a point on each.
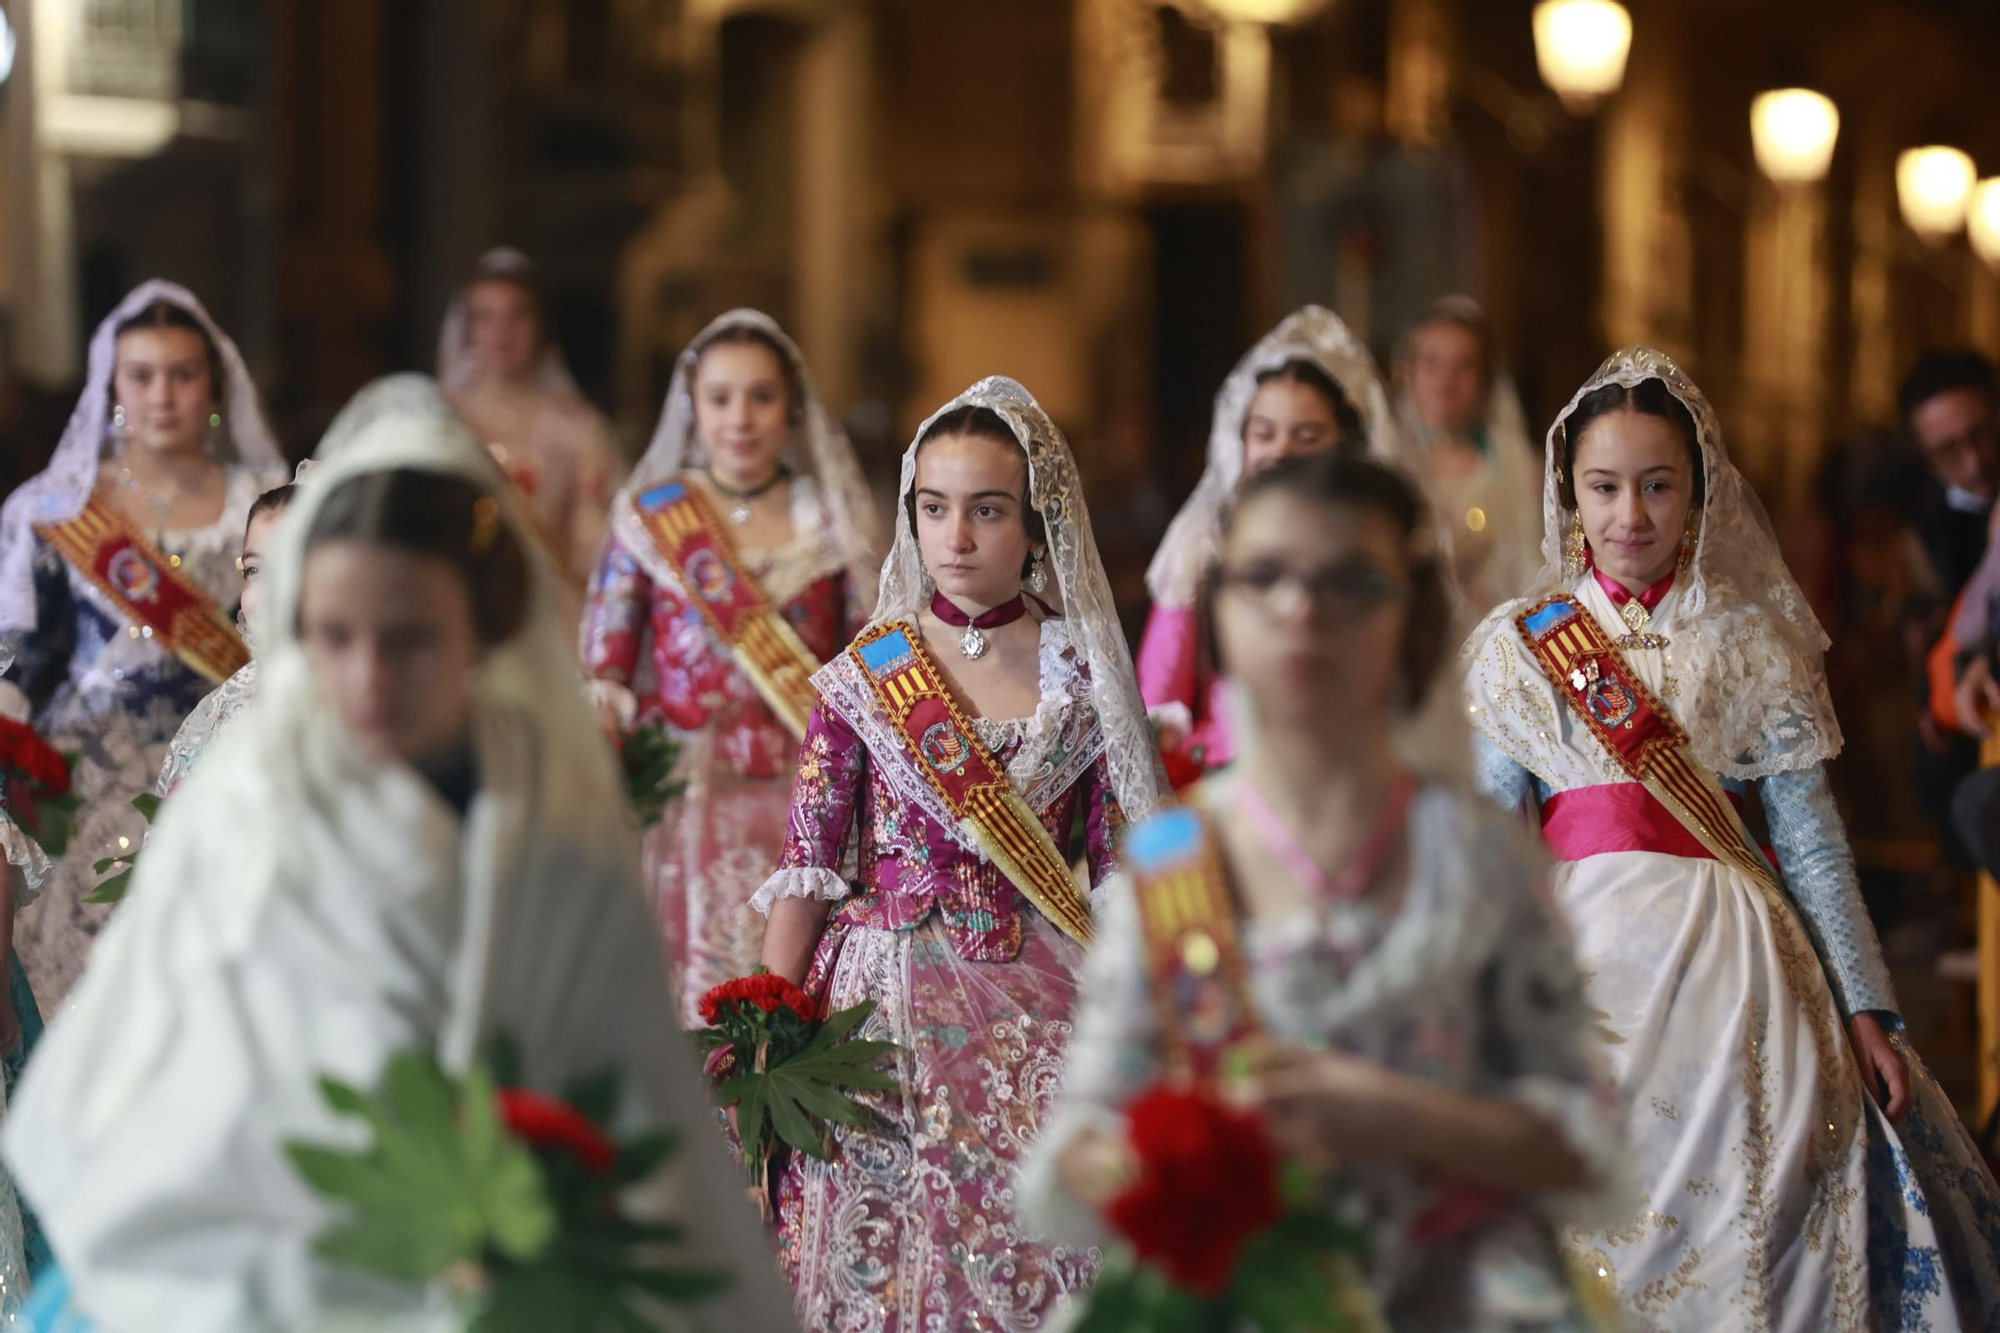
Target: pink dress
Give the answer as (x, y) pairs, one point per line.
(1173, 680)
(910, 1224)
(717, 841)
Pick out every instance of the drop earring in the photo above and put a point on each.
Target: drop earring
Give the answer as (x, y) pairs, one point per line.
(1576, 549)
(1038, 577)
(121, 430)
(1690, 539)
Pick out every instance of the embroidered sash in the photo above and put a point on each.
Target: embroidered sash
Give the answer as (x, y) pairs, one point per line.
(735, 605)
(146, 587)
(943, 747)
(1635, 728)
(1200, 983)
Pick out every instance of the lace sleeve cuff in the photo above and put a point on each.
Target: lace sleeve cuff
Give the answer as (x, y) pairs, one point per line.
(1591, 1127)
(23, 851)
(802, 882)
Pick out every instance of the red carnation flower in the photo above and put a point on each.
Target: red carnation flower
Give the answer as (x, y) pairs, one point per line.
(1183, 769)
(546, 1122)
(1208, 1183)
(24, 753)
(766, 990)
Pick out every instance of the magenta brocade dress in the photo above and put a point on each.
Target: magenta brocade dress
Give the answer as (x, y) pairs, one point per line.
(910, 1224)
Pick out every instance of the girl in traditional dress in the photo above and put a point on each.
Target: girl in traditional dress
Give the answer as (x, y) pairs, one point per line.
(227, 700)
(117, 569)
(501, 368)
(414, 841)
(1802, 1170)
(1376, 936)
(1462, 432)
(740, 558)
(1308, 387)
(24, 869)
(987, 711)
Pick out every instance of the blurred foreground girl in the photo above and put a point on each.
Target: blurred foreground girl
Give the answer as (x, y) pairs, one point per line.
(1340, 935)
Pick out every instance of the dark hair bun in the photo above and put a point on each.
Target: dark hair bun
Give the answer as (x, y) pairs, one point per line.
(443, 517)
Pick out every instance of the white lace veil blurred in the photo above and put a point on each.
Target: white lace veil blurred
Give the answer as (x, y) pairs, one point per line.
(1081, 591)
(456, 369)
(60, 491)
(1312, 334)
(1748, 674)
(817, 447)
(1503, 422)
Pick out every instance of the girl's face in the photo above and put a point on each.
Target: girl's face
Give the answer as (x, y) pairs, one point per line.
(391, 640)
(162, 380)
(503, 328)
(742, 409)
(1286, 419)
(1310, 605)
(1634, 484)
(256, 541)
(971, 517)
(1447, 377)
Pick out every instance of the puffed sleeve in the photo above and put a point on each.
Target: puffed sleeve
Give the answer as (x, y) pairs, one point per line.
(614, 626)
(833, 765)
(1169, 653)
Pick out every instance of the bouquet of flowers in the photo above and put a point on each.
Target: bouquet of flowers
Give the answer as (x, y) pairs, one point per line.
(787, 1077)
(121, 867)
(508, 1195)
(35, 787)
(648, 755)
(1218, 1236)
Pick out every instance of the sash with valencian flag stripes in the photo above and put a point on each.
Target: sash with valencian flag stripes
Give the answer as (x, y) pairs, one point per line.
(1200, 984)
(147, 587)
(1635, 727)
(735, 605)
(976, 790)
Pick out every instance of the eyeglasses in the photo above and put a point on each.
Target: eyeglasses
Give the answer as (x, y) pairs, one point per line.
(1347, 589)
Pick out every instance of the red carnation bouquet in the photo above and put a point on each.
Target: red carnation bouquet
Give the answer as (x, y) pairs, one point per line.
(1219, 1235)
(1185, 763)
(35, 787)
(787, 1076)
(509, 1196)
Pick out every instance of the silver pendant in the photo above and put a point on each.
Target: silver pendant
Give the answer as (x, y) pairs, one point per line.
(972, 643)
(740, 515)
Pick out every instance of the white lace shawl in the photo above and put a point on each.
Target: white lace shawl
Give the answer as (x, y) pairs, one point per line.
(59, 492)
(817, 449)
(1747, 675)
(1079, 588)
(1312, 334)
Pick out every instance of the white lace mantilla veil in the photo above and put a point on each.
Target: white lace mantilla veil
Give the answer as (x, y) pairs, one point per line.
(1747, 673)
(1313, 334)
(1080, 592)
(298, 814)
(59, 492)
(817, 447)
(456, 370)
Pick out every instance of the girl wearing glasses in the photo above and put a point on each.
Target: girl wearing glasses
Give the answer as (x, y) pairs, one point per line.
(1801, 1169)
(1377, 971)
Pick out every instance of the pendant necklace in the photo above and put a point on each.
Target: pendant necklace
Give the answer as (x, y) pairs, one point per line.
(972, 643)
(739, 514)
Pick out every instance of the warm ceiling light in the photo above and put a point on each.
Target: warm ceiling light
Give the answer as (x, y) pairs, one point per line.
(1275, 12)
(1982, 220)
(1793, 130)
(1933, 185)
(1580, 48)
(6, 47)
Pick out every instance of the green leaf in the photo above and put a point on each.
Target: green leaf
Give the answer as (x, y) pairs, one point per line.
(111, 890)
(57, 821)
(791, 1122)
(595, 1096)
(641, 1157)
(148, 804)
(348, 1101)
